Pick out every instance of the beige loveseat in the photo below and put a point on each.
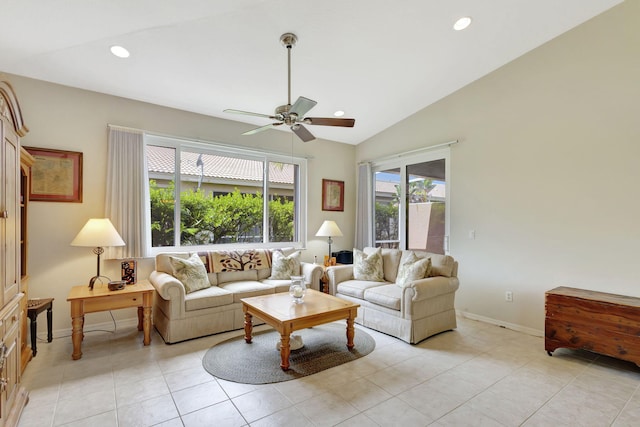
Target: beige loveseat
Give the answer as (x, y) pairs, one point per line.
(413, 309)
(183, 309)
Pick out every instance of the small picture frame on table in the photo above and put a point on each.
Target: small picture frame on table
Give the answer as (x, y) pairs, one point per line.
(129, 271)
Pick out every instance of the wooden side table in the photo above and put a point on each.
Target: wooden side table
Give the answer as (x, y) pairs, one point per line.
(35, 307)
(100, 298)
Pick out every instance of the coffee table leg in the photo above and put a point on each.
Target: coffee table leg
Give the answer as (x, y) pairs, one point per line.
(350, 333)
(248, 327)
(285, 350)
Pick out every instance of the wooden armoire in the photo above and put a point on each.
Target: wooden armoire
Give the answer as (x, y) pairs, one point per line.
(13, 396)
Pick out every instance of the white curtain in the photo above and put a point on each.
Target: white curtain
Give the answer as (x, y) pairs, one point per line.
(126, 187)
(364, 217)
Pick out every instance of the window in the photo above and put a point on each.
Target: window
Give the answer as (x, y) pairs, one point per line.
(410, 202)
(218, 196)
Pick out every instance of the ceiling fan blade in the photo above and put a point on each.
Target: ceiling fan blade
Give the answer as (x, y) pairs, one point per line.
(262, 128)
(302, 106)
(329, 121)
(303, 133)
(248, 113)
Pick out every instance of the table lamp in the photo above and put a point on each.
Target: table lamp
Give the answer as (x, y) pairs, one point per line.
(329, 229)
(98, 233)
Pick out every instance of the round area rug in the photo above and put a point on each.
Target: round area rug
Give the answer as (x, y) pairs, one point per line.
(325, 346)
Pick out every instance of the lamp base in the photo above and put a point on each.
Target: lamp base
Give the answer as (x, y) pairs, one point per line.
(92, 281)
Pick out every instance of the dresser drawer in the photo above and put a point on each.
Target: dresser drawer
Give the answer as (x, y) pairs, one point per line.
(11, 320)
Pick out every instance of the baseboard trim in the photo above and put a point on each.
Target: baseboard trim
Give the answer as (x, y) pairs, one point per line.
(513, 326)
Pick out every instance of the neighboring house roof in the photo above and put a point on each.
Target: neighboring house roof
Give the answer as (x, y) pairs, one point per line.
(387, 187)
(161, 160)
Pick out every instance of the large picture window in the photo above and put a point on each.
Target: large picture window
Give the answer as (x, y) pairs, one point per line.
(202, 195)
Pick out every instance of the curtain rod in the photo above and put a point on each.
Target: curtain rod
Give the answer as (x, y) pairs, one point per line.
(110, 126)
(201, 141)
(410, 152)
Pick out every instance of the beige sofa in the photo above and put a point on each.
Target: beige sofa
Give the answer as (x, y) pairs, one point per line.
(181, 313)
(418, 309)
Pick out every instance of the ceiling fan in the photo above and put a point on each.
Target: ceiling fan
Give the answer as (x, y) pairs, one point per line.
(293, 115)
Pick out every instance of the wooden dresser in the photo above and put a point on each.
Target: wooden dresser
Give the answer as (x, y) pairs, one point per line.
(603, 323)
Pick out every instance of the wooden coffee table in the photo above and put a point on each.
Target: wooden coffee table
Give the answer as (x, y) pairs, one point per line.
(279, 310)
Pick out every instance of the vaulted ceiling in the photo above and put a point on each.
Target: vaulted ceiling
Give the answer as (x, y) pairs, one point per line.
(379, 61)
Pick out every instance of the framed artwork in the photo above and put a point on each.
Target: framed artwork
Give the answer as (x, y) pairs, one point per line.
(56, 175)
(332, 195)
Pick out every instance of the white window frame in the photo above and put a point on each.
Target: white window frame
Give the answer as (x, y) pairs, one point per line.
(402, 163)
(300, 191)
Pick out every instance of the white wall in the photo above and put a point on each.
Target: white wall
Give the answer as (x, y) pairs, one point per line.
(546, 171)
(64, 118)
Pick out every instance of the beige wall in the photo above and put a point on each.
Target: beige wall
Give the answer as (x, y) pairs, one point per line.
(546, 171)
(71, 119)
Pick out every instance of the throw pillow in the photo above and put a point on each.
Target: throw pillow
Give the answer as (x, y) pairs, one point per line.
(413, 268)
(368, 267)
(283, 267)
(190, 272)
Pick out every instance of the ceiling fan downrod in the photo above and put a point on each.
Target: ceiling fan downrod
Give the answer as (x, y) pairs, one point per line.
(288, 40)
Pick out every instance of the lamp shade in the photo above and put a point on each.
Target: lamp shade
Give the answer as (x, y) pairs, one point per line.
(98, 232)
(329, 229)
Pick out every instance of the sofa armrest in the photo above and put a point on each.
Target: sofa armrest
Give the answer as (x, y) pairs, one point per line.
(338, 274)
(168, 287)
(431, 287)
(312, 274)
(419, 296)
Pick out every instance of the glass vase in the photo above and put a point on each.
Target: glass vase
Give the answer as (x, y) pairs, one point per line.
(297, 289)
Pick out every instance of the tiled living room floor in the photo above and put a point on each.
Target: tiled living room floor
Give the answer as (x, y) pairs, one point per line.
(478, 375)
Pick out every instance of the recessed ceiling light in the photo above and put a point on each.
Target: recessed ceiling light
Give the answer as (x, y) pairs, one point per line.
(462, 23)
(339, 113)
(119, 51)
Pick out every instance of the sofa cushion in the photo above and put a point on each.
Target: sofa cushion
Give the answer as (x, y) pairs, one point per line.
(240, 260)
(246, 289)
(357, 288)
(190, 272)
(368, 266)
(390, 261)
(387, 296)
(278, 285)
(236, 276)
(283, 266)
(207, 298)
(413, 268)
(441, 265)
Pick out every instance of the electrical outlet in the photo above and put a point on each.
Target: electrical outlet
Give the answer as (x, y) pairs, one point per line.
(508, 296)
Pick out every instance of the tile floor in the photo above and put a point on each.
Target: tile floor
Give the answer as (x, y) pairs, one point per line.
(478, 375)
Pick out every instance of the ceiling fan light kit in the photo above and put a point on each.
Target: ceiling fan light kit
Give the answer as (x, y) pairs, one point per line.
(293, 115)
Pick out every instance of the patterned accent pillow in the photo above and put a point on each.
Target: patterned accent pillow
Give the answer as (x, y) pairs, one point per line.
(283, 267)
(413, 268)
(368, 267)
(190, 272)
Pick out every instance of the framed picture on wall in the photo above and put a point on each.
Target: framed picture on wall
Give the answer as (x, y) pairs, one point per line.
(56, 175)
(332, 195)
